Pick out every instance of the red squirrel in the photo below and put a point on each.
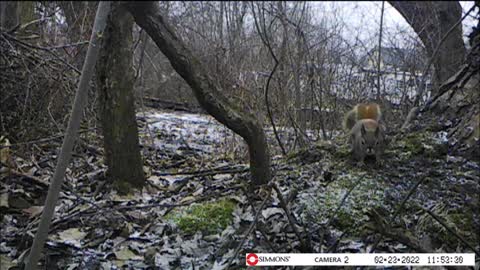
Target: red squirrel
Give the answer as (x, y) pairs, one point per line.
(367, 134)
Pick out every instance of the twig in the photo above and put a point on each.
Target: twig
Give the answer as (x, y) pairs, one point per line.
(49, 50)
(410, 193)
(25, 25)
(207, 172)
(70, 136)
(406, 240)
(140, 67)
(267, 86)
(284, 205)
(380, 50)
(452, 231)
(254, 222)
(337, 210)
(260, 228)
(398, 210)
(44, 139)
(37, 180)
(173, 205)
(70, 45)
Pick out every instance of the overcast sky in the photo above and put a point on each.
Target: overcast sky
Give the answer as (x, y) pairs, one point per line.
(362, 20)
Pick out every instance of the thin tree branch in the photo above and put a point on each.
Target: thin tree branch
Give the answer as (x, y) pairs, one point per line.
(69, 140)
(450, 230)
(267, 86)
(380, 50)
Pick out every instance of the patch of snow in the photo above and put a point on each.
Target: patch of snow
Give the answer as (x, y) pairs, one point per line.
(441, 137)
(180, 131)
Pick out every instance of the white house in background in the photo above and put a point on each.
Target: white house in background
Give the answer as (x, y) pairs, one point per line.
(351, 79)
(400, 70)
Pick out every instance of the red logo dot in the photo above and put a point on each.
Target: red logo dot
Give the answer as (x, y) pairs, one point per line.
(252, 259)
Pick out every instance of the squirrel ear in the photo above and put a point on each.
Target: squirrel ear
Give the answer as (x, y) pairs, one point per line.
(364, 131)
(377, 131)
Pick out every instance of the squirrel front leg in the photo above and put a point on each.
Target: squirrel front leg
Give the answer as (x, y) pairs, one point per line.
(361, 158)
(380, 147)
(378, 158)
(358, 153)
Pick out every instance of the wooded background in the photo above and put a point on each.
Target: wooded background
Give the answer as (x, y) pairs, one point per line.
(279, 75)
(280, 61)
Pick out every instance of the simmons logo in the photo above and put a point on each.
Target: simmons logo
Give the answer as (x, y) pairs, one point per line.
(253, 259)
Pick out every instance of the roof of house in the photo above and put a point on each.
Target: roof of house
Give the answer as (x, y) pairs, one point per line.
(397, 57)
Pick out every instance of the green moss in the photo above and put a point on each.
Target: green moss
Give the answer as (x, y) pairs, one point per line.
(367, 194)
(344, 220)
(421, 144)
(343, 152)
(413, 144)
(462, 223)
(210, 218)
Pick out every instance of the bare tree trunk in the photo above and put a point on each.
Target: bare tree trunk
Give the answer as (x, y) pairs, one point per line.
(69, 140)
(148, 16)
(116, 102)
(282, 93)
(431, 21)
(299, 98)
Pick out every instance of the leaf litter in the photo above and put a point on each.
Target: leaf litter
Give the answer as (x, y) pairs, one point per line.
(194, 162)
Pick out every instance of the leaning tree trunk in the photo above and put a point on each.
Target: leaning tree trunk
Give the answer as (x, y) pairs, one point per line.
(458, 102)
(116, 101)
(431, 21)
(455, 108)
(148, 16)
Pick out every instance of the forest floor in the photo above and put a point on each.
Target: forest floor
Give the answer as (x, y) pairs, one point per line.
(196, 210)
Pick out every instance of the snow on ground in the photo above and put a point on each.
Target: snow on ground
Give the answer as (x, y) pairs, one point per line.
(176, 130)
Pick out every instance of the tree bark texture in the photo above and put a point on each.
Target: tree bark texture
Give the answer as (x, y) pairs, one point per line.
(431, 21)
(148, 16)
(456, 105)
(116, 102)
